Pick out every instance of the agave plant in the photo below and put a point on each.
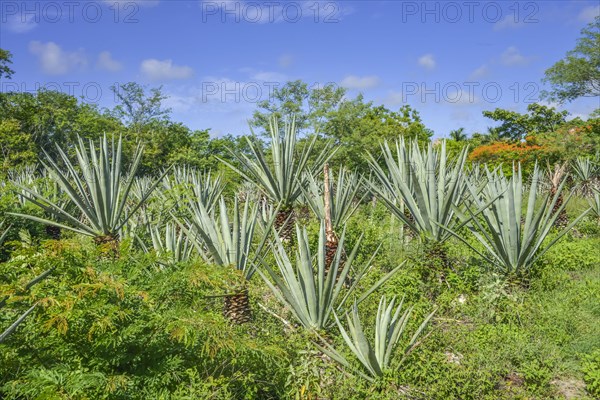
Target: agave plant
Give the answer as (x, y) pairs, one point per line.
(342, 196)
(586, 173)
(204, 187)
(282, 175)
(99, 191)
(426, 183)
(390, 327)
(513, 241)
(312, 296)
(228, 243)
(171, 243)
(333, 202)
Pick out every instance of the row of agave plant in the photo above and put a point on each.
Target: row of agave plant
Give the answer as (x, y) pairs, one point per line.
(183, 214)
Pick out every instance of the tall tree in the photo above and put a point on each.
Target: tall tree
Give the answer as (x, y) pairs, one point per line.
(309, 105)
(359, 127)
(578, 74)
(136, 107)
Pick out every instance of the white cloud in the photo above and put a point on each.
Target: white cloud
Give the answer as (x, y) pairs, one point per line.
(157, 70)
(588, 14)
(427, 61)
(511, 57)
(107, 63)
(268, 76)
(56, 61)
(357, 82)
(285, 60)
(394, 98)
(21, 23)
(481, 72)
(460, 115)
(461, 97)
(509, 22)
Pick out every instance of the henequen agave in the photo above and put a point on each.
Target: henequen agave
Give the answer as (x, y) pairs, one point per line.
(313, 294)
(97, 188)
(514, 241)
(390, 327)
(281, 176)
(228, 242)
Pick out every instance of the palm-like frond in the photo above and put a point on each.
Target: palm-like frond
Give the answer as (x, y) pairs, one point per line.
(99, 190)
(425, 182)
(282, 175)
(390, 327)
(310, 296)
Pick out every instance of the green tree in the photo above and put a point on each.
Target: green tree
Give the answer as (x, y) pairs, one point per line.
(359, 127)
(458, 134)
(578, 74)
(515, 126)
(136, 107)
(310, 106)
(48, 117)
(16, 146)
(5, 59)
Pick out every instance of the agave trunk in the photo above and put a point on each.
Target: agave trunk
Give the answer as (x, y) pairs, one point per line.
(556, 178)
(237, 307)
(109, 244)
(562, 220)
(284, 224)
(54, 232)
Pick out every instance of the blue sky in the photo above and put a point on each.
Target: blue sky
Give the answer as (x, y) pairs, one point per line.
(216, 59)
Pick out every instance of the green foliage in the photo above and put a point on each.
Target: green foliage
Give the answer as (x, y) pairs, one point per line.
(578, 74)
(359, 127)
(310, 105)
(591, 371)
(539, 119)
(5, 60)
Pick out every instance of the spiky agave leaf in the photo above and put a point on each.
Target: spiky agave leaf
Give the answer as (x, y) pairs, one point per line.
(343, 196)
(512, 245)
(170, 243)
(16, 324)
(282, 175)
(586, 174)
(100, 191)
(595, 203)
(390, 327)
(225, 241)
(313, 296)
(425, 182)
